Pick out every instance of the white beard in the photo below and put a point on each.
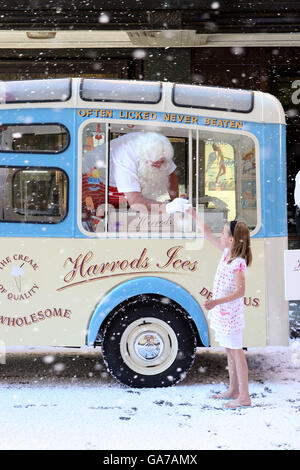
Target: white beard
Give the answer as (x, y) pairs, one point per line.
(154, 181)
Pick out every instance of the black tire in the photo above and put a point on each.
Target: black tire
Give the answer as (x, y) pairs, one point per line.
(149, 342)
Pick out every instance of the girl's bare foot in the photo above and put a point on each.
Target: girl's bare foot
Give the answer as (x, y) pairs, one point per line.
(238, 403)
(225, 395)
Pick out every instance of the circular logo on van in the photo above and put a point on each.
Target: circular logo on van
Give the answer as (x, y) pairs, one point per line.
(16, 277)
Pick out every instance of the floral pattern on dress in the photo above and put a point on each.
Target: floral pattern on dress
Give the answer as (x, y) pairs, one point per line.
(228, 317)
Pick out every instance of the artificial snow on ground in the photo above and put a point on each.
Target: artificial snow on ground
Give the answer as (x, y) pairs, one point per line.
(64, 399)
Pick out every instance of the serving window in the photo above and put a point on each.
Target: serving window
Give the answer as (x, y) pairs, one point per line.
(215, 171)
(139, 159)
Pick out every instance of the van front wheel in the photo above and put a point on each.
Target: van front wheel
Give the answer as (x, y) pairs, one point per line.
(149, 343)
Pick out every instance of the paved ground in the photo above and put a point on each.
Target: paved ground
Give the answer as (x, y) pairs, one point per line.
(65, 399)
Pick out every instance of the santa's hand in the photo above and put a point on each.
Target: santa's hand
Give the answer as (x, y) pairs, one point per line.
(177, 205)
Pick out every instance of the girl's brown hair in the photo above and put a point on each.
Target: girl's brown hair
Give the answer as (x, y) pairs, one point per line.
(241, 242)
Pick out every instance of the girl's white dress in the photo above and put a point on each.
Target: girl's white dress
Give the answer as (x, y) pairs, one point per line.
(227, 320)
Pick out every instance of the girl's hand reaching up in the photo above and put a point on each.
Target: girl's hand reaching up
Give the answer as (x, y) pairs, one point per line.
(211, 303)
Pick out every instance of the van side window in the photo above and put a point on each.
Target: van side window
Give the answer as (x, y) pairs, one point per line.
(33, 138)
(36, 195)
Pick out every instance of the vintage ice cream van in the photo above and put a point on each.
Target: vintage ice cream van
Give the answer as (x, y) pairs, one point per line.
(80, 265)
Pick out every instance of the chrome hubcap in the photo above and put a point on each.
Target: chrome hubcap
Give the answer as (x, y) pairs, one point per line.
(149, 346)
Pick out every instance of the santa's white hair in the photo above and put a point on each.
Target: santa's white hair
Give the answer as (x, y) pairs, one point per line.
(151, 147)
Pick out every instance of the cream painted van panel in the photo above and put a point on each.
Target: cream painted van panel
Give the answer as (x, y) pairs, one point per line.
(49, 288)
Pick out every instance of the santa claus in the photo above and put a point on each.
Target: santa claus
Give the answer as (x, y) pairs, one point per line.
(141, 169)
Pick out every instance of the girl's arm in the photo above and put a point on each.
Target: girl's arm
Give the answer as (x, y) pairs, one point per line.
(206, 230)
(239, 292)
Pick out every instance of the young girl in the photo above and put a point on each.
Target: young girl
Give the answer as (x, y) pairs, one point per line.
(226, 307)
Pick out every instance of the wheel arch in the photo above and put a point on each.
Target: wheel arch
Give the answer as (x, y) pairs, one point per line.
(147, 285)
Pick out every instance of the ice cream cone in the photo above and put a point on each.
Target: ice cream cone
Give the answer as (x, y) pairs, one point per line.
(17, 272)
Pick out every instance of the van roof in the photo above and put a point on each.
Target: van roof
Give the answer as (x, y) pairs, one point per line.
(247, 105)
